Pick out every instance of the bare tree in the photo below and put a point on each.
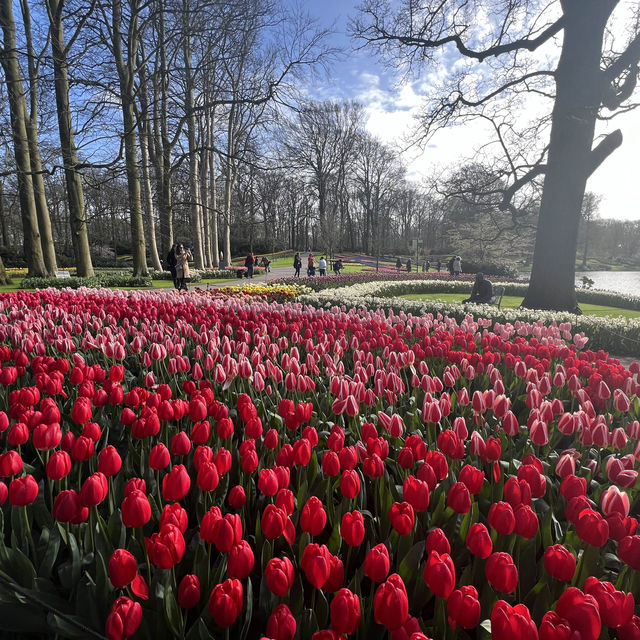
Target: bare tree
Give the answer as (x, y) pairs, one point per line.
(75, 191)
(18, 113)
(588, 77)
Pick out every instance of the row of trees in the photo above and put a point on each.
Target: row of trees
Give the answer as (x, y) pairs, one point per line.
(148, 91)
(187, 104)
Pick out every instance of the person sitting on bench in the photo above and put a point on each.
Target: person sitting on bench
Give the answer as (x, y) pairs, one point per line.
(482, 291)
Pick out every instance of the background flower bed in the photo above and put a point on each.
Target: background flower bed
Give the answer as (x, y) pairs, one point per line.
(319, 436)
(618, 335)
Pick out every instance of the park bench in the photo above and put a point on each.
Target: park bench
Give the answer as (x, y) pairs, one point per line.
(498, 294)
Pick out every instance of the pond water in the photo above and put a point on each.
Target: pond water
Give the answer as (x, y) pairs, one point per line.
(621, 281)
(627, 282)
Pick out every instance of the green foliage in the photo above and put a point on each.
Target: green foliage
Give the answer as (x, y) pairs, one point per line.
(108, 279)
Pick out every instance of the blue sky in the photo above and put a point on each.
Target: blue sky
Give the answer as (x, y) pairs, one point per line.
(361, 76)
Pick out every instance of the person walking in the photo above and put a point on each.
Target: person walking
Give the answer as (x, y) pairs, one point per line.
(248, 263)
(457, 266)
(171, 263)
(311, 265)
(398, 264)
(297, 264)
(265, 263)
(322, 266)
(409, 265)
(183, 256)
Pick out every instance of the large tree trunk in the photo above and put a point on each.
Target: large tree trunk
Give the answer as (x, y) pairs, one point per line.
(4, 278)
(162, 147)
(569, 163)
(73, 179)
(127, 98)
(18, 114)
(42, 210)
(194, 184)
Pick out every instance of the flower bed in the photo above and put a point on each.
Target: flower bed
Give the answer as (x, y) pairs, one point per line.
(178, 466)
(383, 275)
(260, 291)
(618, 335)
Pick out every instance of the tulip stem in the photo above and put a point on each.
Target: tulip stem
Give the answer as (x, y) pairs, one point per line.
(29, 536)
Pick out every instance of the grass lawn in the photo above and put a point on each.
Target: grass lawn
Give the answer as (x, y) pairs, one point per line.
(513, 302)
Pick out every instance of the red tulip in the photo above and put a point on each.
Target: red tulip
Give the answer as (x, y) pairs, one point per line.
(377, 563)
(501, 572)
(279, 576)
(592, 528)
(240, 561)
(463, 608)
(559, 562)
(581, 612)
(166, 548)
(350, 484)
(176, 484)
(390, 603)
(23, 491)
(189, 591)
(122, 568)
(458, 498)
(502, 518)
(68, 508)
(225, 602)
(174, 514)
(472, 478)
(124, 619)
(437, 541)
(508, 623)
(402, 517)
(237, 497)
(109, 461)
(440, 574)
(316, 564)
(136, 510)
(352, 528)
(281, 624)
(345, 611)
(94, 490)
(629, 551)
(313, 517)
(416, 493)
(59, 465)
(616, 607)
(479, 541)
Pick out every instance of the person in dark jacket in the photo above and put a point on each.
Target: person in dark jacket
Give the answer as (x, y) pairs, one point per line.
(482, 291)
(248, 263)
(297, 264)
(171, 263)
(408, 265)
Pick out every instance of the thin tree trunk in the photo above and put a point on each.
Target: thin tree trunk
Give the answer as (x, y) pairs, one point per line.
(44, 221)
(75, 190)
(3, 219)
(228, 186)
(162, 153)
(148, 198)
(194, 184)
(204, 195)
(18, 112)
(213, 197)
(578, 98)
(127, 98)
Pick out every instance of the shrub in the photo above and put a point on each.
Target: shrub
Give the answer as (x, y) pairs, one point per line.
(112, 279)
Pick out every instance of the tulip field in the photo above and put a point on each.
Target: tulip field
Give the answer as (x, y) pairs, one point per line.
(215, 465)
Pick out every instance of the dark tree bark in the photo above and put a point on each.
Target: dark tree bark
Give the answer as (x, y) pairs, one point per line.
(569, 163)
(44, 221)
(75, 190)
(586, 81)
(126, 71)
(18, 115)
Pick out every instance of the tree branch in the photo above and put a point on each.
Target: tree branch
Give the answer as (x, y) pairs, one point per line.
(604, 149)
